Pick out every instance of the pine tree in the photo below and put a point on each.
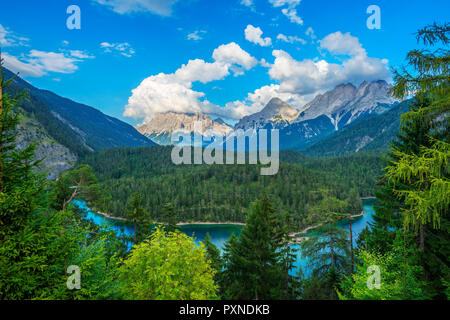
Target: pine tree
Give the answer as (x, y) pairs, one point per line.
(140, 218)
(254, 266)
(328, 251)
(415, 192)
(170, 217)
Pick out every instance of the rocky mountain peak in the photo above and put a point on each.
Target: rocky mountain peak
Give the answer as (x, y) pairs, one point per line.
(276, 111)
(163, 125)
(346, 102)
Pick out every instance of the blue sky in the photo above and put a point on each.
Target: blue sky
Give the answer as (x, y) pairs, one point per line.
(206, 55)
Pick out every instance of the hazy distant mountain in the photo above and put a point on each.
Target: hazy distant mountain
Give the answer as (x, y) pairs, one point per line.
(276, 112)
(163, 125)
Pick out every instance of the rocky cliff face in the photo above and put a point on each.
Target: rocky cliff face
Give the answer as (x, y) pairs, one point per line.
(277, 112)
(55, 157)
(163, 125)
(346, 103)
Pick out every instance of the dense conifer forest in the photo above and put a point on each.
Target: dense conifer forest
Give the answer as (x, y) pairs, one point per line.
(222, 193)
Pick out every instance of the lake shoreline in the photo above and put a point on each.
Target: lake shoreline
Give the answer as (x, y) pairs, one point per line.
(294, 235)
(105, 215)
(297, 239)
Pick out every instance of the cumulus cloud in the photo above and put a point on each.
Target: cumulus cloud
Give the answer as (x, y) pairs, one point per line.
(290, 39)
(231, 54)
(173, 92)
(253, 34)
(289, 9)
(339, 43)
(309, 76)
(38, 63)
(298, 82)
(257, 100)
(123, 49)
(159, 7)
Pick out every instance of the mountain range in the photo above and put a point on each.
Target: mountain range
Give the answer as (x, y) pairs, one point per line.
(344, 120)
(326, 115)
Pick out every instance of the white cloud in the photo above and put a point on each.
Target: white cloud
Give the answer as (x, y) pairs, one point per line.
(123, 49)
(53, 62)
(339, 43)
(247, 3)
(310, 32)
(257, 100)
(24, 67)
(290, 10)
(290, 39)
(232, 54)
(38, 63)
(160, 7)
(173, 92)
(81, 54)
(9, 39)
(309, 76)
(253, 34)
(196, 35)
(298, 82)
(291, 13)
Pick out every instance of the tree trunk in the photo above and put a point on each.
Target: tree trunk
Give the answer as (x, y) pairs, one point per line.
(421, 237)
(331, 249)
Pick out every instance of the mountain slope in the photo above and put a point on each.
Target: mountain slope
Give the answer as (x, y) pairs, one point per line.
(369, 134)
(55, 157)
(93, 129)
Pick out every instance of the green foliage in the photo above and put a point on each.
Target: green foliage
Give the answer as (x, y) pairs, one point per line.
(170, 266)
(427, 174)
(414, 192)
(170, 217)
(140, 218)
(393, 272)
(212, 253)
(78, 182)
(37, 243)
(254, 264)
(328, 251)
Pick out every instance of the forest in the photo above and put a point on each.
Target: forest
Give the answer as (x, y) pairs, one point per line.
(221, 193)
(43, 234)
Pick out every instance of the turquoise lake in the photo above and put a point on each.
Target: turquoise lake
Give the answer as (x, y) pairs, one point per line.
(221, 232)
